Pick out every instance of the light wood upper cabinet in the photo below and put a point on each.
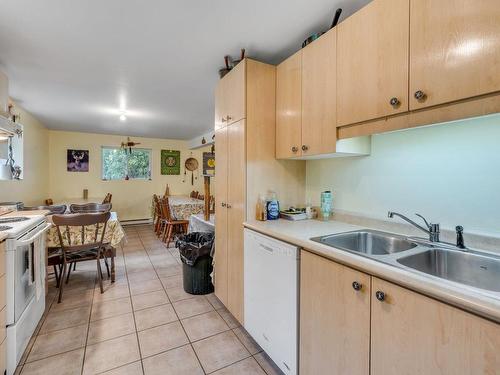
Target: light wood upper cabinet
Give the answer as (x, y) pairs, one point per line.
(372, 62)
(220, 264)
(236, 206)
(220, 106)
(334, 318)
(234, 93)
(454, 50)
(414, 334)
(289, 107)
(319, 108)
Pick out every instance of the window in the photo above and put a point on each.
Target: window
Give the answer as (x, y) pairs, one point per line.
(120, 164)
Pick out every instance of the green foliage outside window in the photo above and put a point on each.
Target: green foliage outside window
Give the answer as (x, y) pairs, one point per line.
(118, 163)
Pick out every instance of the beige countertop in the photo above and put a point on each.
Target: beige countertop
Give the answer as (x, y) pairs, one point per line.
(27, 213)
(484, 303)
(3, 236)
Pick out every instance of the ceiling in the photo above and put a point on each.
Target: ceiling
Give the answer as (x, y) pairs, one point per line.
(74, 64)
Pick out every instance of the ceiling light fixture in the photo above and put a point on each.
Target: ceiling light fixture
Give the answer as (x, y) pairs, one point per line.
(123, 116)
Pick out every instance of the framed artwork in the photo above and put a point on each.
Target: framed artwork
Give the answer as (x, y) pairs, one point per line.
(77, 160)
(209, 163)
(170, 162)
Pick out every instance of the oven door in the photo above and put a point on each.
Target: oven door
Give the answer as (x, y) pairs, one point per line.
(26, 248)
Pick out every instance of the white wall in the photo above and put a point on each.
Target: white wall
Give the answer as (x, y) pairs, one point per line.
(450, 173)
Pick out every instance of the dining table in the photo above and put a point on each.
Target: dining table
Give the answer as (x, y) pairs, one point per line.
(113, 235)
(182, 207)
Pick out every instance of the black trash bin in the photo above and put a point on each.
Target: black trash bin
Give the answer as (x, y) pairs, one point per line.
(195, 251)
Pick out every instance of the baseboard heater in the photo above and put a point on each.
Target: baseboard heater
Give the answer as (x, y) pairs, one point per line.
(136, 222)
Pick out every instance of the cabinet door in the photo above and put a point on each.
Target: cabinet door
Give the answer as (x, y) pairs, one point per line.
(334, 318)
(221, 233)
(289, 107)
(454, 50)
(236, 216)
(220, 109)
(234, 93)
(319, 132)
(372, 70)
(414, 334)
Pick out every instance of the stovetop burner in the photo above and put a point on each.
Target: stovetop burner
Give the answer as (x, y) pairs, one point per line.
(13, 219)
(4, 227)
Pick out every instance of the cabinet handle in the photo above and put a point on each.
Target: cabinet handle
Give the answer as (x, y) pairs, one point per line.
(420, 95)
(228, 118)
(228, 205)
(394, 102)
(357, 286)
(223, 204)
(295, 149)
(305, 148)
(224, 119)
(380, 295)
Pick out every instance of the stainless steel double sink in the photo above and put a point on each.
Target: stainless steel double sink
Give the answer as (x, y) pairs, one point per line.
(477, 269)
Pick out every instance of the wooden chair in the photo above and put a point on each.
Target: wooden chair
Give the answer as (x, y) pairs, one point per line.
(168, 225)
(90, 243)
(58, 210)
(107, 198)
(212, 204)
(194, 194)
(88, 208)
(156, 214)
(167, 191)
(49, 202)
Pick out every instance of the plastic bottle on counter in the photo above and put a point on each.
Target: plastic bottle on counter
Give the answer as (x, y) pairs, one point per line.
(261, 209)
(273, 206)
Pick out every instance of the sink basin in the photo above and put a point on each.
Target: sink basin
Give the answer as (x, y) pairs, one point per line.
(473, 269)
(369, 242)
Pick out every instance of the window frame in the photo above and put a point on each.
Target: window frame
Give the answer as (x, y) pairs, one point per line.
(150, 155)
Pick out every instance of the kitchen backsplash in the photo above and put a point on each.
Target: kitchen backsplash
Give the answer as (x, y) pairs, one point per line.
(450, 173)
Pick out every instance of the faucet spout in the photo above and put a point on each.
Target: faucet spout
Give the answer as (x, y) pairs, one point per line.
(432, 229)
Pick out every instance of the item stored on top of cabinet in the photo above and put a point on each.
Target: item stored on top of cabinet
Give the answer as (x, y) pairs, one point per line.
(196, 255)
(230, 63)
(326, 204)
(272, 206)
(315, 36)
(170, 162)
(191, 165)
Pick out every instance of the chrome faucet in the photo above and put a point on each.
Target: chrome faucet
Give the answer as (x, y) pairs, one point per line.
(432, 229)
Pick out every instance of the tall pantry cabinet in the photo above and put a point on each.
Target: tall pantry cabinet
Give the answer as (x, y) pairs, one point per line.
(245, 121)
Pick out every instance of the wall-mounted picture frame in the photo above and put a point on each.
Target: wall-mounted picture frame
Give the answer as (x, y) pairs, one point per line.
(77, 160)
(170, 162)
(209, 164)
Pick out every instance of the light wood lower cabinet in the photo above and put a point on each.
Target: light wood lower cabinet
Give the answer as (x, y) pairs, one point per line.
(385, 329)
(334, 318)
(414, 334)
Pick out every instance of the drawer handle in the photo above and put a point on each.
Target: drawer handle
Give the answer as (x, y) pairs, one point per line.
(380, 295)
(357, 286)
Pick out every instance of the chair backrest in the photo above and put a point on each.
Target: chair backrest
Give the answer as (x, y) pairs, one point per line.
(167, 191)
(165, 209)
(107, 198)
(90, 208)
(90, 236)
(156, 205)
(194, 194)
(49, 202)
(58, 210)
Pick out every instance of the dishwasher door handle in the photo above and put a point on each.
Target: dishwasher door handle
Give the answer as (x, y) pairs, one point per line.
(267, 248)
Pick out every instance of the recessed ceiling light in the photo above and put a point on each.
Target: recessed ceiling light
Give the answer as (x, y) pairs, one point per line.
(123, 117)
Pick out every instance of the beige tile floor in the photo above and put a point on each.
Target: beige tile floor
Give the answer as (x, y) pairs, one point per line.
(144, 323)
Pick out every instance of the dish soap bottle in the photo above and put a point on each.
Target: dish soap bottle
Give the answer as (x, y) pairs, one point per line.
(273, 206)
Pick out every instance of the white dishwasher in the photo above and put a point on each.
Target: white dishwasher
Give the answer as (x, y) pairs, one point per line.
(271, 302)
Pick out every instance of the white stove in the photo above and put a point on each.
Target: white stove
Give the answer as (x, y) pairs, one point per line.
(25, 280)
